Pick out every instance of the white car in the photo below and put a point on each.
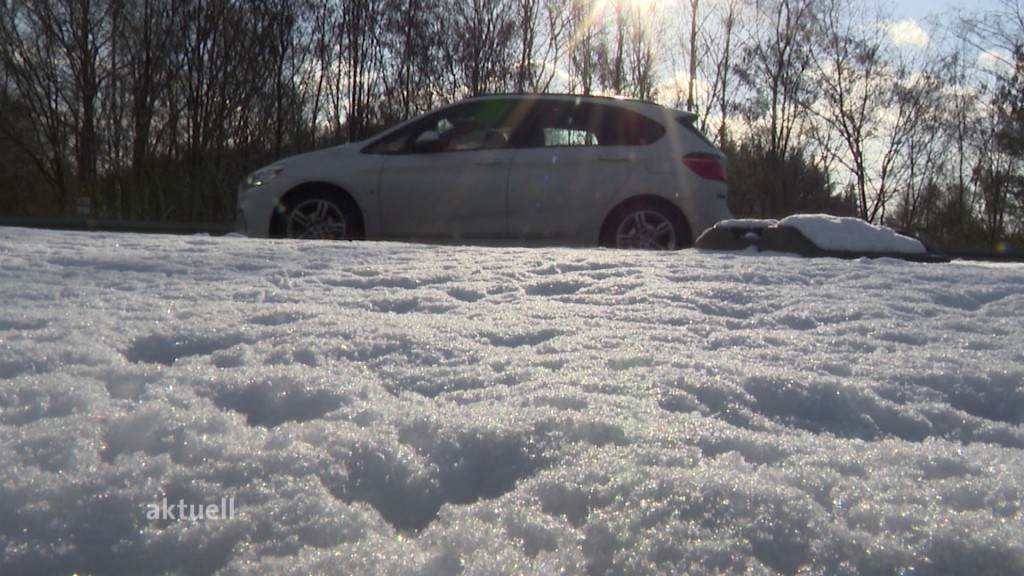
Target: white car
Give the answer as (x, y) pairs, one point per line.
(522, 169)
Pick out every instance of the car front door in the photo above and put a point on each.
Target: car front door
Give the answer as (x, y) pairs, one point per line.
(446, 177)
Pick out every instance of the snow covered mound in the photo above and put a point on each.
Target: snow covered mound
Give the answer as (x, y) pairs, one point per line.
(816, 235)
(852, 235)
(195, 405)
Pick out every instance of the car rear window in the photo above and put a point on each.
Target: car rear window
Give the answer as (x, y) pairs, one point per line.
(618, 127)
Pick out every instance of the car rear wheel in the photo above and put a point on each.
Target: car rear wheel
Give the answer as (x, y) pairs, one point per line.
(646, 226)
(320, 215)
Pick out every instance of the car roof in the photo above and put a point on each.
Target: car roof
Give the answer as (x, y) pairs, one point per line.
(642, 106)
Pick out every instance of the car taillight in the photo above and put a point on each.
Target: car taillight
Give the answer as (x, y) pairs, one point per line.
(707, 166)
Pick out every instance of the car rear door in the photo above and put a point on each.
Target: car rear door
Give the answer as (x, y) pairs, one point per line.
(572, 164)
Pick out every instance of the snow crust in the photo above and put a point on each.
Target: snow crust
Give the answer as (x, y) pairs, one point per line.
(852, 235)
(379, 408)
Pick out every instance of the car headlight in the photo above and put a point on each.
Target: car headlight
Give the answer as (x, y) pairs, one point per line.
(262, 176)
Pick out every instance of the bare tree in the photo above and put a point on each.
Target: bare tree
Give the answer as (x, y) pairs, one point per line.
(282, 53)
(147, 72)
(552, 60)
(612, 51)
(528, 15)
(411, 39)
(996, 32)
(1002, 175)
(641, 61)
(708, 37)
(776, 68)
(585, 41)
(32, 91)
(481, 44)
(694, 54)
(51, 51)
(206, 102)
(873, 103)
(361, 58)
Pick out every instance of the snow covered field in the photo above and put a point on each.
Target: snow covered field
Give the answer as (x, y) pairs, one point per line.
(369, 408)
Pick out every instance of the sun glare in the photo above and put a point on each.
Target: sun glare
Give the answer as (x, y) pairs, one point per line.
(603, 11)
(606, 7)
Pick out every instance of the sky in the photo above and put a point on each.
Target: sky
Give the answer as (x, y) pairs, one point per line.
(918, 24)
(923, 11)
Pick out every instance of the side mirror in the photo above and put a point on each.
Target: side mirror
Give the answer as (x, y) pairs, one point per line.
(429, 141)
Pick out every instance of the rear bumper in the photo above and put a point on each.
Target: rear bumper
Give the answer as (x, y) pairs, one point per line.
(707, 209)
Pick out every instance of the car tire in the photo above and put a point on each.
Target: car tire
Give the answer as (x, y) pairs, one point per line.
(320, 215)
(646, 225)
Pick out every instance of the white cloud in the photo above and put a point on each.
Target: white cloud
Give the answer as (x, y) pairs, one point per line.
(996, 60)
(907, 33)
(673, 90)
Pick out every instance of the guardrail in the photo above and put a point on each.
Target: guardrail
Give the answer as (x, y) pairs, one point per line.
(88, 224)
(986, 255)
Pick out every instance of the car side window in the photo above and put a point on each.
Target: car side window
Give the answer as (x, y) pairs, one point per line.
(616, 126)
(558, 123)
(589, 124)
(472, 126)
(569, 137)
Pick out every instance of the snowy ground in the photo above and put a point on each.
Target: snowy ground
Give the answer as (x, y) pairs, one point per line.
(399, 409)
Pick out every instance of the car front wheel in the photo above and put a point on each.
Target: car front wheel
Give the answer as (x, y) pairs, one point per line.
(646, 226)
(321, 216)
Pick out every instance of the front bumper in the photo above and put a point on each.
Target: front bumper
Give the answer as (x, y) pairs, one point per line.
(241, 225)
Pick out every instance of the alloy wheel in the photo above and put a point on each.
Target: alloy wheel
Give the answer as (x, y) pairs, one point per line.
(646, 230)
(317, 219)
